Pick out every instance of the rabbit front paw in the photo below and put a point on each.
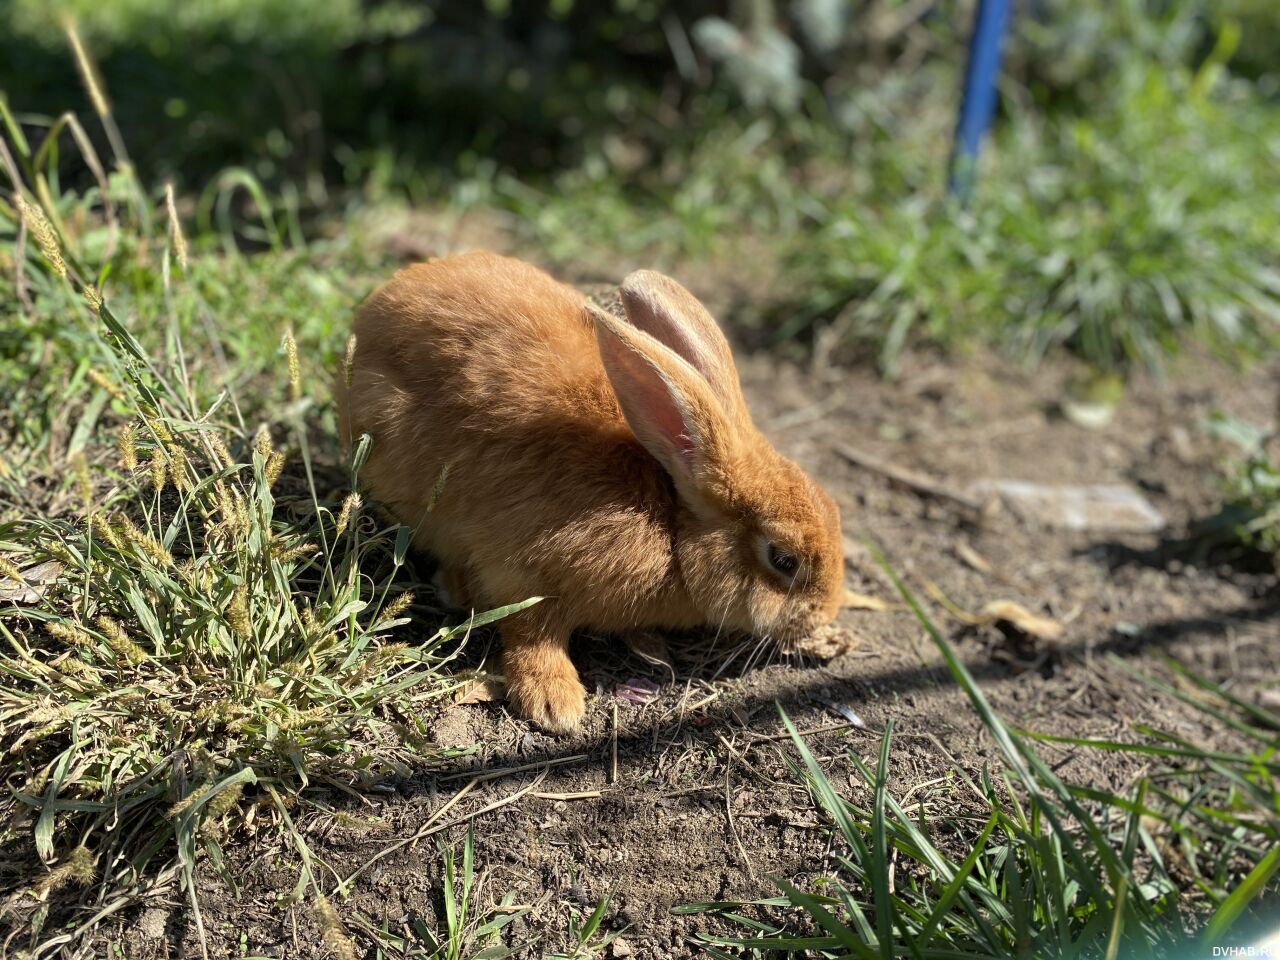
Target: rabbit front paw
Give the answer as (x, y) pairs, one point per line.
(553, 698)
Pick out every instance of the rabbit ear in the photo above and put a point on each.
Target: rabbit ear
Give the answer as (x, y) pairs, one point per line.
(673, 316)
(668, 406)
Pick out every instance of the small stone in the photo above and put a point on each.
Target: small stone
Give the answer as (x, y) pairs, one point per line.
(622, 949)
(1110, 506)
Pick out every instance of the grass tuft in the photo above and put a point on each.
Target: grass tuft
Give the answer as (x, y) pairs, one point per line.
(213, 632)
(1057, 869)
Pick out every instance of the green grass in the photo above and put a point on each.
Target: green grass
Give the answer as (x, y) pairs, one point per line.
(467, 933)
(213, 625)
(1123, 234)
(1056, 869)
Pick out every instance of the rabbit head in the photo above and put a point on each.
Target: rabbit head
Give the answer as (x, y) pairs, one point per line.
(758, 542)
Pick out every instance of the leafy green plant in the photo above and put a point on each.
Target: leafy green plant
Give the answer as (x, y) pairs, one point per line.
(1250, 516)
(1121, 233)
(467, 933)
(586, 938)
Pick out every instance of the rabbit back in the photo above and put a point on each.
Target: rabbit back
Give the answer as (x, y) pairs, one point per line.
(498, 440)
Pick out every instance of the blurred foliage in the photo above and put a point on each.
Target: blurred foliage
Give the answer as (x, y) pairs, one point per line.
(1129, 198)
(292, 89)
(289, 89)
(1250, 516)
(1115, 232)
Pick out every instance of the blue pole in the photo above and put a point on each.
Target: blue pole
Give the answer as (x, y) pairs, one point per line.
(979, 103)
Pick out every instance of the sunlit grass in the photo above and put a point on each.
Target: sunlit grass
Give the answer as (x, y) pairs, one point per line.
(1052, 868)
(199, 621)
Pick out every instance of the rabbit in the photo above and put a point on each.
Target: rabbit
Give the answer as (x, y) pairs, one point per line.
(539, 446)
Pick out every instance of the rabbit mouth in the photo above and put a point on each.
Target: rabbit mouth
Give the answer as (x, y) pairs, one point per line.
(789, 630)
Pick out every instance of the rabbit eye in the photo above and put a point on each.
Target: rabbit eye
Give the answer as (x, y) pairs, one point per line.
(783, 563)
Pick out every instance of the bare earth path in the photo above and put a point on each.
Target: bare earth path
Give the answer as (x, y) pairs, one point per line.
(703, 806)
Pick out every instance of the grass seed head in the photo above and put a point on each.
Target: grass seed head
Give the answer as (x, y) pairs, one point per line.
(235, 515)
(42, 232)
(349, 360)
(262, 442)
(182, 806)
(350, 508)
(332, 932)
(99, 380)
(238, 614)
(70, 633)
(88, 72)
(378, 661)
(175, 228)
(57, 550)
(160, 429)
(396, 607)
(227, 798)
(295, 374)
(159, 469)
(75, 667)
(302, 719)
(84, 485)
(357, 825)
(9, 571)
(273, 461)
(273, 469)
(129, 448)
(288, 554)
(438, 489)
(105, 529)
(77, 868)
(221, 455)
(145, 543)
(179, 469)
(93, 298)
(119, 641)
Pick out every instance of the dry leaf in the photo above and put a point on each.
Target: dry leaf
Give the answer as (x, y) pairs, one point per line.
(863, 601)
(964, 616)
(1029, 623)
(1007, 611)
(36, 581)
(481, 690)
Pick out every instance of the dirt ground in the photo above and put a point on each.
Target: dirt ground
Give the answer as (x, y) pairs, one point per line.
(703, 806)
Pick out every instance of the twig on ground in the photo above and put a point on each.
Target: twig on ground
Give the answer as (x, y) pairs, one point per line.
(767, 738)
(613, 765)
(733, 752)
(431, 827)
(910, 478)
(733, 827)
(482, 774)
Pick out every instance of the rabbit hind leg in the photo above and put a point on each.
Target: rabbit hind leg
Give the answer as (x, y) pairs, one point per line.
(452, 586)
